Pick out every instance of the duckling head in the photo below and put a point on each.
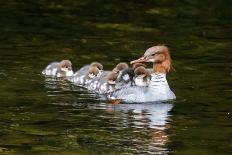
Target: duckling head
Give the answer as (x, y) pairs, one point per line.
(65, 66)
(120, 67)
(111, 78)
(142, 76)
(93, 72)
(136, 65)
(98, 65)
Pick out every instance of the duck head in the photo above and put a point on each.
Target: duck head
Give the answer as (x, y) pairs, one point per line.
(159, 56)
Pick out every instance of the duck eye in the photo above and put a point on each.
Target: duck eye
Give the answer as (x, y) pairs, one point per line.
(153, 55)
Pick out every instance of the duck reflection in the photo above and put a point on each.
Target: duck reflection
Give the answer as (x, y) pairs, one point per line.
(56, 84)
(149, 123)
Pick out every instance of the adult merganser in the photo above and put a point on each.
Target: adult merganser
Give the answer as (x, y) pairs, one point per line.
(80, 75)
(59, 69)
(158, 88)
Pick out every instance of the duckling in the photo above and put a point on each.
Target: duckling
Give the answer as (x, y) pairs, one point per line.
(79, 76)
(59, 69)
(120, 67)
(98, 65)
(95, 84)
(142, 76)
(92, 73)
(107, 84)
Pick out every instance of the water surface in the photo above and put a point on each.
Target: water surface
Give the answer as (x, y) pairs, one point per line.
(49, 116)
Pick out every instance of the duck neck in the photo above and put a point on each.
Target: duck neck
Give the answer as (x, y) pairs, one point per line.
(159, 68)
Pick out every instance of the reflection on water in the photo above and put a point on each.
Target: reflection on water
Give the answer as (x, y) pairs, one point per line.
(155, 113)
(51, 116)
(132, 128)
(152, 117)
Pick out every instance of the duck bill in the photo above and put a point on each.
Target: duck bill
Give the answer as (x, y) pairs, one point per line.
(140, 60)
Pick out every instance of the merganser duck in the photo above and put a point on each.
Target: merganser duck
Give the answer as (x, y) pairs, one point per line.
(59, 69)
(142, 76)
(158, 88)
(80, 75)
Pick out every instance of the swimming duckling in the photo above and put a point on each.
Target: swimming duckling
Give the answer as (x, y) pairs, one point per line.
(142, 76)
(120, 67)
(107, 84)
(59, 69)
(96, 82)
(92, 73)
(79, 76)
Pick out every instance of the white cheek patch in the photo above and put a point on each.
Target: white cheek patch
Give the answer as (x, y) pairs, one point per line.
(111, 82)
(91, 75)
(126, 77)
(64, 69)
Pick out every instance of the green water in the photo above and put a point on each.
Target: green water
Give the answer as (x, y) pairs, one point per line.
(48, 116)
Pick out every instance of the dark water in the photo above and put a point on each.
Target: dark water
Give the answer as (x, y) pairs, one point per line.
(47, 116)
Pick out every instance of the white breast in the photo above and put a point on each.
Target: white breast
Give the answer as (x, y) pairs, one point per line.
(157, 90)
